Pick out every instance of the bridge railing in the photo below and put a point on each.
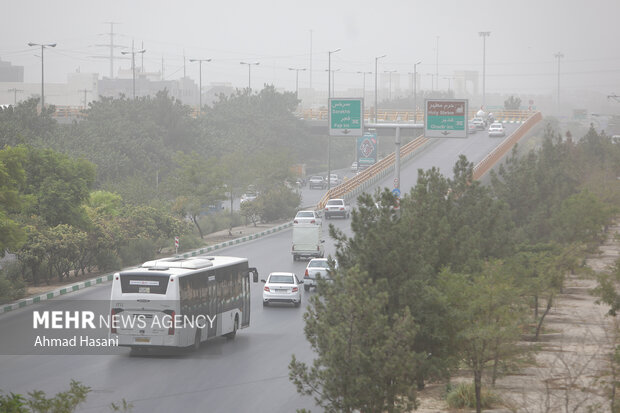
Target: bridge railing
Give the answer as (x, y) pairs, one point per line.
(390, 115)
(369, 176)
(502, 149)
(353, 187)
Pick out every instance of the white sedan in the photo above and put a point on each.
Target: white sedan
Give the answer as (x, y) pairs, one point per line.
(496, 129)
(337, 207)
(282, 287)
(307, 217)
(317, 267)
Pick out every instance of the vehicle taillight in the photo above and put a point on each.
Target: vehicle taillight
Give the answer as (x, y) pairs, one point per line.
(342, 208)
(313, 222)
(326, 208)
(295, 289)
(267, 289)
(113, 323)
(171, 313)
(306, 274)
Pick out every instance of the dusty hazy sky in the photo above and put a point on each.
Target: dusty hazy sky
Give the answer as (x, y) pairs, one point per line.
(525, 35)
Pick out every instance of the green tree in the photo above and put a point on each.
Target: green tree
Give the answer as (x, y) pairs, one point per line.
(58, 186)
(487, 309)
(195, 184)
(581, 218)
(364, 360)
(23, 124)
(512, 103)
(12, 180)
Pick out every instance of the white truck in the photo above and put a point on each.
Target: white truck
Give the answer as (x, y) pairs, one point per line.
(307, 241)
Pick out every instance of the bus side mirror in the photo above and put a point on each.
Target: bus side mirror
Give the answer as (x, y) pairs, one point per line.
(254, 272)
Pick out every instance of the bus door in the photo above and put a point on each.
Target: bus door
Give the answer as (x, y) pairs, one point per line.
(212, 319)
(245, 297)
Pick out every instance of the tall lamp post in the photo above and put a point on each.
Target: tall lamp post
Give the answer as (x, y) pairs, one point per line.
(415, 91)
(133, 66)
(200, 81)
(448, 79)
(297, 70)
(250, 64)
(333, 93)
(559, 55)
(43, 46)
(329, 96)
(364, 83)
(484, 36)
(376, 65)
(390, 73)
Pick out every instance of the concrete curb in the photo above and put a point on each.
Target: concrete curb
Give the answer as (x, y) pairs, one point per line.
(55, 293)
(108, 277)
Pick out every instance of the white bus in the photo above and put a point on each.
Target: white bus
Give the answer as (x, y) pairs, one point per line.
(180, 302)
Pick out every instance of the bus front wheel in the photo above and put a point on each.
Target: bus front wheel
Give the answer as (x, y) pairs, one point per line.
(233, 333)
(197, 340)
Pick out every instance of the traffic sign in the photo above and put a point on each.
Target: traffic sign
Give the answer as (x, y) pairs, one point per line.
(346, 117)
(395, 182)
(396, 192)
(445, 118)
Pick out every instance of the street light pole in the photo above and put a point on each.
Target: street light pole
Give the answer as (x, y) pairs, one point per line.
(200, 81)
(43, 46)
(390, 91)
(364, 83)
(250, 64)
(333, 75)
(297, 70)
(329, 96)
(415, 91)
(484, 36)
(133, 66)
(376, 66)
(559, 55)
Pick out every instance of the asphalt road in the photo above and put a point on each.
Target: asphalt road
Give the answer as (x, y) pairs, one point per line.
(247, 374)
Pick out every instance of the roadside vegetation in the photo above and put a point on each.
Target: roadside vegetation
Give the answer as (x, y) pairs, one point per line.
(469, 269)
(115, 188)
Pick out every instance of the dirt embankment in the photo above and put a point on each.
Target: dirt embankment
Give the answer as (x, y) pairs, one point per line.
(571, 362)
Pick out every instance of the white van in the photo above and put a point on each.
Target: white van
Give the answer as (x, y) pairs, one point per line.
(307, 241)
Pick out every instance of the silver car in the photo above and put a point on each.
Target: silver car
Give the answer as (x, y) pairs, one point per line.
(282, 287)
(317, 267)
(308, 217)
(496, 129)
(337, 207)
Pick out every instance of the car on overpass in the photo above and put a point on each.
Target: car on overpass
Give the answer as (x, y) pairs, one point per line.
(497, 129)
(317, 182)
(479, 122)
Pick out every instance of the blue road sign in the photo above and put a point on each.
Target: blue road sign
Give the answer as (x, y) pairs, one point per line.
(396, 192)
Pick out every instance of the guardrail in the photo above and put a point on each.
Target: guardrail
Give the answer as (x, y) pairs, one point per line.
(369, 176)
(392, 115)
(498, 153)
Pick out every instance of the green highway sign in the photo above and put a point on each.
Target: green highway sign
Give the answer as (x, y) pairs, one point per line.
(346, 117)
(445, 118)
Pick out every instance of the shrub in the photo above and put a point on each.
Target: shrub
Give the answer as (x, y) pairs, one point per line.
(12, 286)
(277, 203)
(137, 251)
(463, 395)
